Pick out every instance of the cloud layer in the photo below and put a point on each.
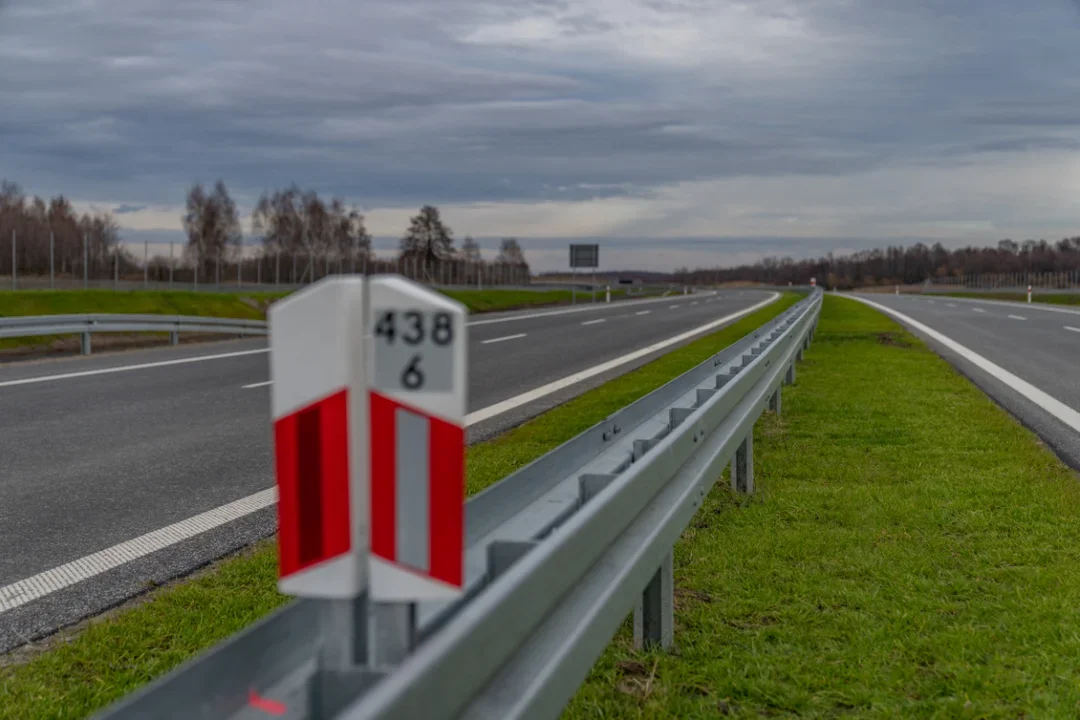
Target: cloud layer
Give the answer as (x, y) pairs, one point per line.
(949, 119)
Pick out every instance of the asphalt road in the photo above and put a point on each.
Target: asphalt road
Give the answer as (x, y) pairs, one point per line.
(97, 451)
(1038, 343)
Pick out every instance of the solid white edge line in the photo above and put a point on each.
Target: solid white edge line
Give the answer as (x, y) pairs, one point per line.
(126, 368)
(594, 322)
(503, 338)
(1070, 327)
(45, 583)
(1052, 405)
(264, 383)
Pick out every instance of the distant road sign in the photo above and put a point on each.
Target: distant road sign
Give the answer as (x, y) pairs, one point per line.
(584, 256)
(418, 371)
(319, 409)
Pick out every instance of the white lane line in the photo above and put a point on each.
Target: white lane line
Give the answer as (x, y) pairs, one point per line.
(673, 307)
(1039, 306)
(1055, 407)
(1070, 327)
(44, 583)
(258, 384)
(594, 322)
(932, 302)
(951, 304)
(977, 310)
(503, 339)
(643, 312)
(592, 307)
(693, 303)
(126, 368)
(1017, 317)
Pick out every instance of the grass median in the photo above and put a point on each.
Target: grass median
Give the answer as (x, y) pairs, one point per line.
(75, 673)
(912, 552)
(1050, 298)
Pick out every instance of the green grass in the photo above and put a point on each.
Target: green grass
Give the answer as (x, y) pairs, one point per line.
(1051, 298)
(248, 305)
(912, 552)
(112, 656)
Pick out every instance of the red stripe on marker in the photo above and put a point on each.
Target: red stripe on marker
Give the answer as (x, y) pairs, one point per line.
(447, 488)
(311, 453)
(383, 476)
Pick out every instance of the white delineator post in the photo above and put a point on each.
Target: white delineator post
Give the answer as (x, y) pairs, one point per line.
(417, 379)
(607, 294)
(319, 406)
(1029, 293)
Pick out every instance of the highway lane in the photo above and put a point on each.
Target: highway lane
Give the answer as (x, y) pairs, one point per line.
(1037, 343)
(91, 457)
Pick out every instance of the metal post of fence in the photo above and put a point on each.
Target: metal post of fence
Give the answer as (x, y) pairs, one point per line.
(239, 264)
(172, 265)
(146, 264)
(85, 263)
(294, 267)
(742, 466)
(258, 272)
(13, 259)
(116, 270)
(217, 269)
(277, 268)
(52, 261)
(654, 613)
(198, 262)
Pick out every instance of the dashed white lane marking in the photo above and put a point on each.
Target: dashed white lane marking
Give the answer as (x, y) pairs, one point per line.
(503, 339)
(1070, 327)
(594, 322)
(951, 304)
(1017, 317)
(933, 302)
(673, 307)
(44, 583)
(126, 368)
(643, 312)
(693, 303)
(977, 310)
(258, 384)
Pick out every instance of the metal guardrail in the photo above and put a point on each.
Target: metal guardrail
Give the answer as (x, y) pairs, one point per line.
(85, 325)
(557, 554)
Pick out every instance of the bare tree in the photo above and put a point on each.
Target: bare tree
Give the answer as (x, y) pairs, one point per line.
(470, 250)
(213, 227)
(510, 253)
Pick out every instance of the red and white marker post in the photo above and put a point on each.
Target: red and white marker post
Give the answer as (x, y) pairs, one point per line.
(417, 379)
(1029, 294)
(319, 407)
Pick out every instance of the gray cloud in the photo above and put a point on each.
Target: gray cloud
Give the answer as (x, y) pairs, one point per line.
(396, 102)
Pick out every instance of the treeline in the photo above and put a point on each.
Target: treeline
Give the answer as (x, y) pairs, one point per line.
(30, 220)
(900, 265)
(289, 222)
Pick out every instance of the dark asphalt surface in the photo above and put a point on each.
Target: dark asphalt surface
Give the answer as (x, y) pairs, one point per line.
(88, 462)
(1032, 342)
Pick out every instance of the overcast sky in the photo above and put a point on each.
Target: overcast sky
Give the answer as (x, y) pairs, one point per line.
(673, 131)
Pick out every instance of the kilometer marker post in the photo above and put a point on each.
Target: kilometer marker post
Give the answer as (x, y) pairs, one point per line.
(418, 381)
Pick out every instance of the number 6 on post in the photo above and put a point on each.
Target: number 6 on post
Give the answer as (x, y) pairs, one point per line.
(417, 385)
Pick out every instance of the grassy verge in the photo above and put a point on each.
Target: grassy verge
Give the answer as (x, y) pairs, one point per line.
(79, 673)
(251, 305)
(912, 553)
(1051, 298)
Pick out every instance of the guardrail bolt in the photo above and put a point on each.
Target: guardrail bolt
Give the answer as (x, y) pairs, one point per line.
(654, 613)
(742, 466)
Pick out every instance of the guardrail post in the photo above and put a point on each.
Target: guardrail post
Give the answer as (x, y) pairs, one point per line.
(85, 343)
(654, 614)
(393, 633)
(775, 400)
(174, 337)
(344, 631)
(742, 466)
(789, 378)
